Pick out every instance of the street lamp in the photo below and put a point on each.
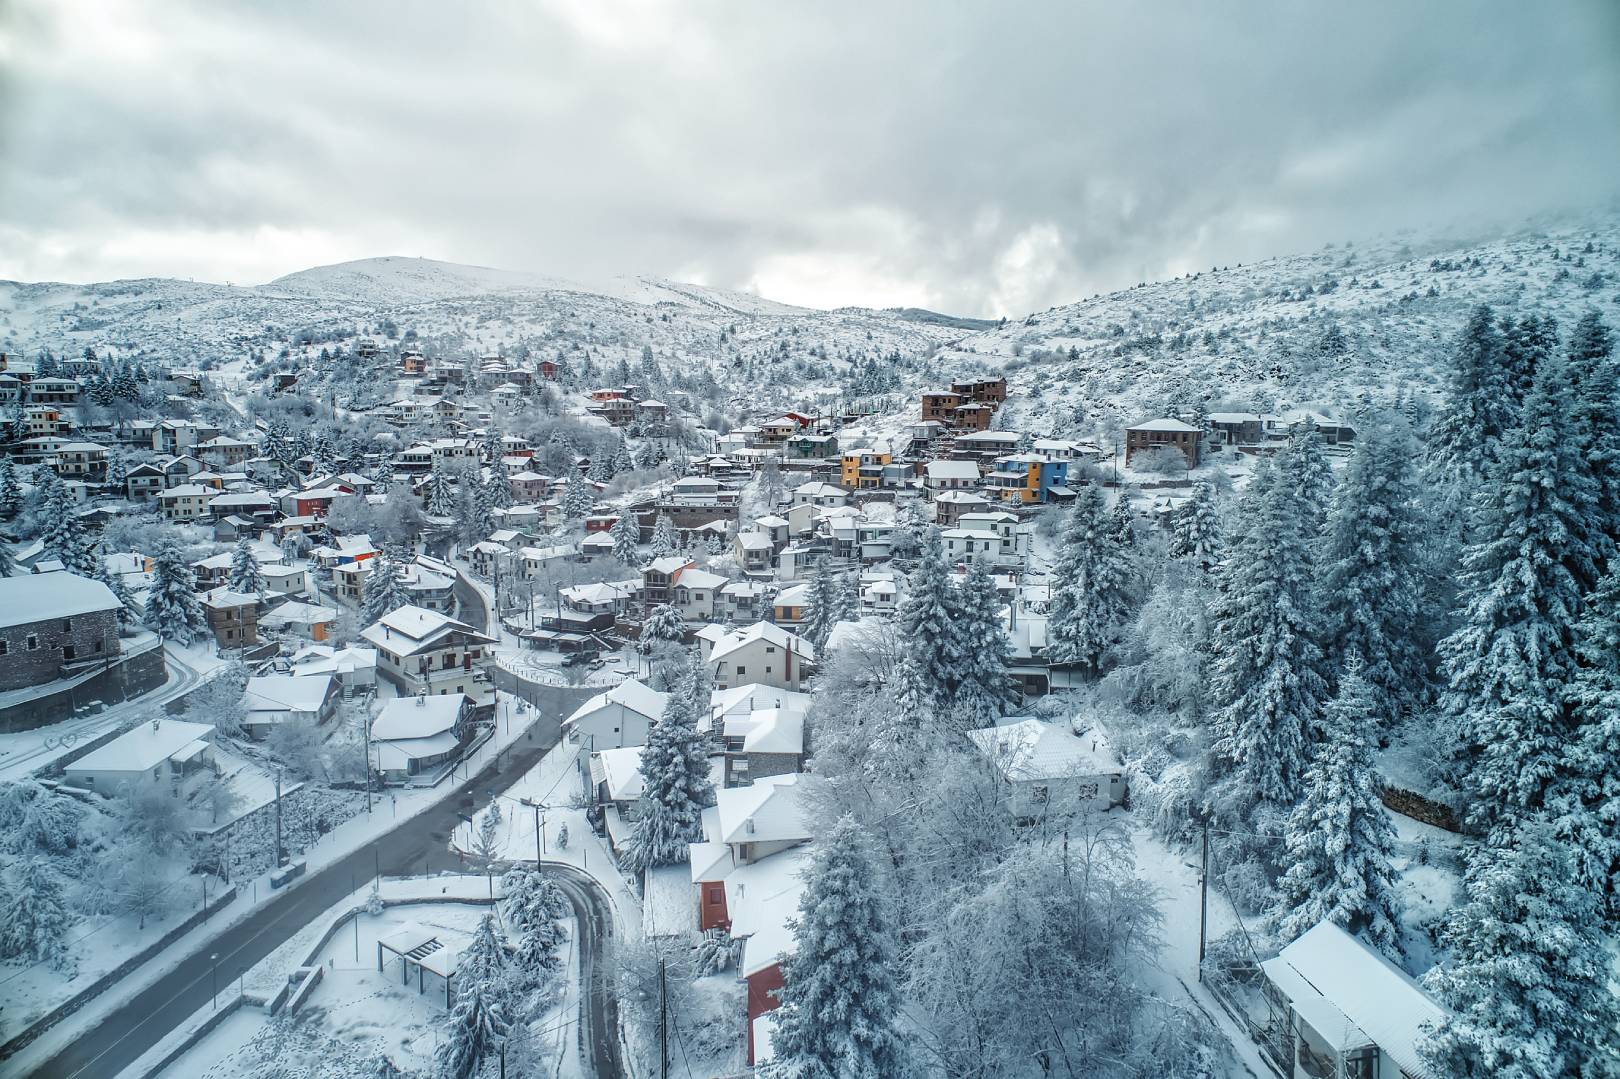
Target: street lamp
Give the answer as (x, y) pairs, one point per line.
(214, 958)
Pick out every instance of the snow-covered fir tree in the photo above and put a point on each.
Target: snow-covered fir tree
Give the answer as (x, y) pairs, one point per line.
(626, 532)
(1595, 420)
(441, 489)
(1195, 528)
(65, 538)
(824, 606)
(11, 495)
(117, 470)
(127, 611)
(173, 611)
(8, 560)
(985, 690)
(245, 575)
(1340, 839)
(839, 995)
(664, 541)
(927, 619)
(1525, 343)
(1510, 665)
(1266, 684)
(479, 1019)
(1370, 570)
(498, 489)
(578, 497)
(1528, 972)
(1091, 585)
(1478, 408)
(1306, 470)
(623, 461)
(34, 919)
(1584, 801)
(384, 591)
(662, 626)
(675, 786)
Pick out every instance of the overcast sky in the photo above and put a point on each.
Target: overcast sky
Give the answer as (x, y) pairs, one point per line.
(986, 158)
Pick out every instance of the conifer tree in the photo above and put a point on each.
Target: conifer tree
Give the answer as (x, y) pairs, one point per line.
(172, 609)
(1091, 586)
(441, 489)
(1585, 797)
(1525, 344)
(824, 606)
(117, 470)
(1266, 685)
(127, 612)
(625, 532)
(1595, 420)
(479, 1019)
(1195, 528)
(1478, 409)
(1509, 666)
(623, 460)
(985, 690)
(578, 497)
(11, 496)
(64, 537)
(1307, 472)
(384, 591)
(34, 920)
(1528, 976)
(498, 490)
(663, 537)
(675, 786)
(8, 560)
(1340, 839)
(246, 577)
(927, 620)
(1370, 577)
(839, 996)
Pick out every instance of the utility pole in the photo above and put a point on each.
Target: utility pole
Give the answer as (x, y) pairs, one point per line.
(663, 1024)
(278, 817)
(365, 721)
(1203, 903)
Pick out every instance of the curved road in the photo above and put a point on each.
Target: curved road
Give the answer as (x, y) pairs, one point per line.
(418, 845)
(598, 1006)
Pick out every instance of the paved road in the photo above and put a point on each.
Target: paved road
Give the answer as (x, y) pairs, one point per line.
(598, 1005)
(416, 846)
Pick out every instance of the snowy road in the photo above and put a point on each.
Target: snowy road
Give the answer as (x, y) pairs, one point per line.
(598, 1004)
(28, 751)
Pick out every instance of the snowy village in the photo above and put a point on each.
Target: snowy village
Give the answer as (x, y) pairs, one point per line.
(412, 669)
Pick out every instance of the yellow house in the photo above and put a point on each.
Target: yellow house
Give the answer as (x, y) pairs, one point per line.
(863, 468)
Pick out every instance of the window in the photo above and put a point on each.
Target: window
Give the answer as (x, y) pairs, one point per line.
(5, 647)
(67, 625)
(740, 670)
(67, 652)
(33, 642)
(770, 650)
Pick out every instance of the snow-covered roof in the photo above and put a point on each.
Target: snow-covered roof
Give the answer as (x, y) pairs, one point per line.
(620, 770)
(418, 627)
(701, 578)
(630, 694)
(770, 810)
(794, 595)
(1162, 424)
(668, 565)
(286, 692)
(417, 717)
(763, 631)
(1028, 749)
(142, 748)
(35, 597)
(1351, 995)
(771, 520)
(302, 614)
(768, 730)
(762, 897)
(324, 659)
(754, 541)
(953, 470)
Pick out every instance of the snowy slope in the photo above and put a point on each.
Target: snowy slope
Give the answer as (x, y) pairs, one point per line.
(1313, 330)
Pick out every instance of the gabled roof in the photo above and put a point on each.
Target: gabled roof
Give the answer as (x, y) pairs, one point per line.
(1161, 424)
(1028, 749)
(763, 631)
(629, 694)
(417, 717)
(1351, 995)
(287, 692)
(142, 748)
(770, 810)
(620, 769)
(417, 627)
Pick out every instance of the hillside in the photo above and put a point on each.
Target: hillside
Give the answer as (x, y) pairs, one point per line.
(1315, 330)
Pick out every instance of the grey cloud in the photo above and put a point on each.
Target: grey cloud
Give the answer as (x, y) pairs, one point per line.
(974, 157)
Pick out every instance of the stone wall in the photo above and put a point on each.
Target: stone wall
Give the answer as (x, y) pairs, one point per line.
(130, 677)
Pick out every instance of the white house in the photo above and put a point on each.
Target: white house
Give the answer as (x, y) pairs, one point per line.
(162, 751)
(762, 653)
(424, 651)
(417, 736)
(354, 667)
(617, 718)
(1352, 1011)
(1045, 764)
(282, 698)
